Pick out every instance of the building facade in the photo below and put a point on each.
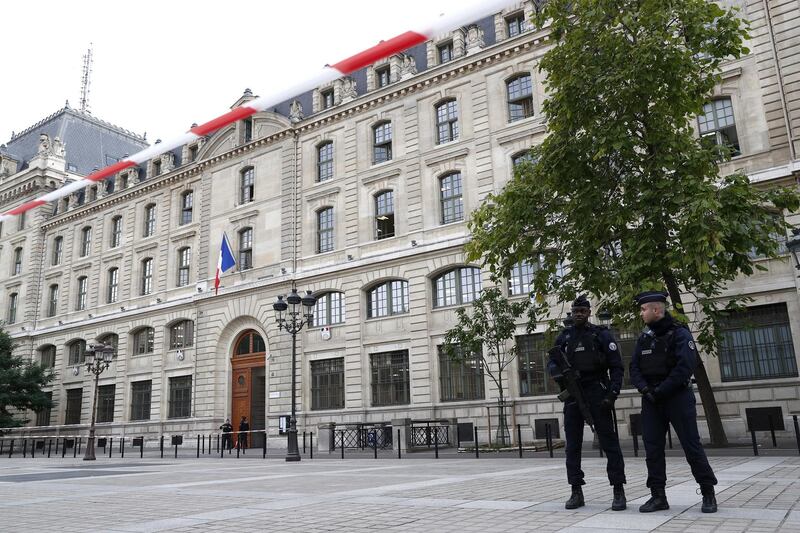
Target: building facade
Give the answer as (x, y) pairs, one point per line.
(358, 191)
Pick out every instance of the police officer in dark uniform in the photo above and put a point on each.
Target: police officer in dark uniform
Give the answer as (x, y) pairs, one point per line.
(593, 352)
(661, 368)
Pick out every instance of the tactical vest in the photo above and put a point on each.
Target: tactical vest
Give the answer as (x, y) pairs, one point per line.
(657, 357)
(584, 355)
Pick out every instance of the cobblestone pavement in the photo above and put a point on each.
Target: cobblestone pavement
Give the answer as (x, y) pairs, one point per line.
(355, 495)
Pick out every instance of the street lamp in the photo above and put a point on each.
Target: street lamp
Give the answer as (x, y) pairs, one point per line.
(794, 246)
(292, 314)
(98, 358)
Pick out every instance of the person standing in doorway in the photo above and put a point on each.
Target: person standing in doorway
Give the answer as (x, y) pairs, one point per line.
(244, 428)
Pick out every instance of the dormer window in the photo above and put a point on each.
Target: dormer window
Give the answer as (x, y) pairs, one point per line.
(193, 153)
(326, 98)
(444, 52)
(156, 167)
(247, 126)
(383, 76)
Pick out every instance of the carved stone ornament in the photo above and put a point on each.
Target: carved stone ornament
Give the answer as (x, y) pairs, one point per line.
(167, 162)
(44, 145)
(295, 112)
(59, 148)
(348, 89)
(408, 67)
(474, 39)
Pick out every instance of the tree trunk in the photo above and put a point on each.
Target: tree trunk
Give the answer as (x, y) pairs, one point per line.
(715, 429)
(502, 425)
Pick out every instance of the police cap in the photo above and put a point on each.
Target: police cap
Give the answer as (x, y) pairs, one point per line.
(581, 301)
(647, 297)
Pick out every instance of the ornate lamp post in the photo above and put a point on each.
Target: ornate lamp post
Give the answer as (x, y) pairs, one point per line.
(794, 246)
(291, 315)
(98, 358)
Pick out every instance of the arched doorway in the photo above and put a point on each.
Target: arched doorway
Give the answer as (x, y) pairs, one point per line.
(248, 386)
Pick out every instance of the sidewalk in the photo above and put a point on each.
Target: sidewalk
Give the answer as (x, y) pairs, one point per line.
(355, 495)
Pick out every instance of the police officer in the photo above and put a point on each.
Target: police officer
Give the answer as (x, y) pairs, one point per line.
(661, 368)
(593, 352)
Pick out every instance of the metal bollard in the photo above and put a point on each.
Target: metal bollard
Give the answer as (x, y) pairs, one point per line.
(519, 440)
(122, 447)
(796, 433)
(221, 450)
(33, 448)
(161, 445)
(477, 450)
(341, 434)
(375, 443)
(11, 449)
(24, 448)
(264, 451)
(304, 442)
(204, 443)
(56, 446)
(64, 448)
(80, 441)
(198, 446)
(110, 446)
(310, 444)
(548, 439)
(176, 450)
(3, 442)
(141, 449)
(49, 447)
(75, 444)
(435, 443)
(755, 444)
(399, 445)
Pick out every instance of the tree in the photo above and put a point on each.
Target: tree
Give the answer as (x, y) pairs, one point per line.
(21, 384)
(621, 190)
(487, 333)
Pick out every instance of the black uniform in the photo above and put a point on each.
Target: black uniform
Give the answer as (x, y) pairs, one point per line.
(227, 441)
(592, 351)
(662, 366)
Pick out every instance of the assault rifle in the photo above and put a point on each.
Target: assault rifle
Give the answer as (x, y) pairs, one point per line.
(572, 387)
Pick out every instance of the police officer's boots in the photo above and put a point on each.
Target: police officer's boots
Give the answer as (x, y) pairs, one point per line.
(576, 500)
(709, 499)
(619, 503)
(657, 502)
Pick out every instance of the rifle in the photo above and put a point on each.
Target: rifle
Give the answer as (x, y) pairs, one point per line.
(572, 387)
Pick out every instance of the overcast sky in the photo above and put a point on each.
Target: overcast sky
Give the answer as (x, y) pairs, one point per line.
(160, 66)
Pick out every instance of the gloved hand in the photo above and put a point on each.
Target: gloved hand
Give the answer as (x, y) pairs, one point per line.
(608, 402)
(649, 395)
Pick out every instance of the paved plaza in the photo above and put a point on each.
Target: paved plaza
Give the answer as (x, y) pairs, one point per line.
(365, 495)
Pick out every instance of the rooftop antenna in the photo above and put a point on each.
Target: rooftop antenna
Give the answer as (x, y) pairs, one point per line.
(86, 78)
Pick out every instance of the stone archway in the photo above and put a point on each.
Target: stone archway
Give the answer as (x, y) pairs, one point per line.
(248, 383)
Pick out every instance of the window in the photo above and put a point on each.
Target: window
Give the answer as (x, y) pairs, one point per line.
(52, 301)
(181, 335)
(92, 193)
(626, 342)
(86, 241)
(140, 400)
(12, 307)
(105, 403)
(250, 343)
(16, 269)
(83, 286)
(327, 384)
(47, 356)
(520, 279)
(184, 256)
(534, 379)
(520, 98)
(156, 167)
(757, 344)
(246, 249)
(325, 230)
(390, 378)
(58, 251)
(445, 52)
(384, 215)
(43, 416)
(383, 76)
(187, 204)
(147, 276)
(80, 197)
(77, 352)
(382, 143)
(180, 397)
(446, 121)
(460, 380)
(72, 415)
(144, 341)
(515, 24)
(150, 220)
(111, 339)
(247, 127)
(329, 309)
(247, 185)
(21, 221)
(521, 158)
(110, 184)
(389, 298)
(325, 161)
(718, 125)
(113, 285)
(326, 98)
(116, 231)
(457, 287)
(193, 153)
(451, 198)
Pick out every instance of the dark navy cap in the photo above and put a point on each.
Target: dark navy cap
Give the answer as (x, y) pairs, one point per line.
(647, 297)
(581, 301)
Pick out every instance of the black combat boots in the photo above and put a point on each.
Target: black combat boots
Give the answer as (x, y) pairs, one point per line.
(576, 500)
(709, 499)
(619, 503)
(657, 502)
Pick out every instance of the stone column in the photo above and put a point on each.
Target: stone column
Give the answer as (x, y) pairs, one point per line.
(404, 425)
(325, 436)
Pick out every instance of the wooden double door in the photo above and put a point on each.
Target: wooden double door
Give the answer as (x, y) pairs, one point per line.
(248, 388)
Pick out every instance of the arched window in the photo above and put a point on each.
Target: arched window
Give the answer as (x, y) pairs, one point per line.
(718, 125)
(382, 142)
(150, 220)
(86, 241)
(16, 269)
(456, 287)
(384, 215)
(146, 276)
(446, 121)
(187, 205)
(111, 339)
(77, 352)
(521, 158)
(387, 298)
(325, 230)
(325, 161)
(247, 187)
(246, 249)
(12, 307)
(144, 341)
(47, 356)
(113, 285)
(249, 343)
(181, 335)
(116, 231)
(329, 309)
(451, 198)
(58, 250)
(83, 288)
(184, 257)
(52, 300)
(520, 97)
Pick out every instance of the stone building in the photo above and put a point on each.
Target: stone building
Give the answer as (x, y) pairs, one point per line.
(357, 191)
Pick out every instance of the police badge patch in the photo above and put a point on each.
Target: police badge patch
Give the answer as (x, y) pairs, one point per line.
(691, 345)
(612, 346)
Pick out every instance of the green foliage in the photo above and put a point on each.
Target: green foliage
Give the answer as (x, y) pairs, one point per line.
(21, 384)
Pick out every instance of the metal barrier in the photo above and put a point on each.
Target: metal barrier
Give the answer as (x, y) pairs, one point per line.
(430, 435)
(362, 437)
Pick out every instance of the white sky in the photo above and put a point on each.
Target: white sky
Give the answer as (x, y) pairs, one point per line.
(160, 66)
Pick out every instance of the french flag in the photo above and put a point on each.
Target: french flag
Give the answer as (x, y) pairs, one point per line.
(225, 262)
